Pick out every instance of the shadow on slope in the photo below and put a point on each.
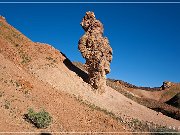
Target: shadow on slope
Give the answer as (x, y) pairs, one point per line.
(174, 101)
(75, 69)
(157, 106)
(45, 134)
(164, 108)
(170, 93)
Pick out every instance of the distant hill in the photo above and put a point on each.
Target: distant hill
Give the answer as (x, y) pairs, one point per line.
(149, 97)
(125, 84)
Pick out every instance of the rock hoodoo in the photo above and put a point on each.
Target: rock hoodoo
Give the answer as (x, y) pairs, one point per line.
(96, 50)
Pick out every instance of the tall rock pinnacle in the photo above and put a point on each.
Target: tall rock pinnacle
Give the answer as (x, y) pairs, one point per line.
(96, 50)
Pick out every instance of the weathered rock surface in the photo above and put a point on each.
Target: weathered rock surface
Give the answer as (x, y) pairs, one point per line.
(2, 17)
(166, 85)
(96, 50)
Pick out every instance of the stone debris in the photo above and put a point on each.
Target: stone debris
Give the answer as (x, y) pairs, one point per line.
(96, 50)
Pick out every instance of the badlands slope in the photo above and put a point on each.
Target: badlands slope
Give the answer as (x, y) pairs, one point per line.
(35, 75)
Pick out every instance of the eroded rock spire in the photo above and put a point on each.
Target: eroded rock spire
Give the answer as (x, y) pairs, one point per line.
(96, 50)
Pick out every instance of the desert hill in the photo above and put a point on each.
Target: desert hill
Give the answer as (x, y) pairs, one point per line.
(21, 89)
(153, 98)
(174, 101)
(35, 75)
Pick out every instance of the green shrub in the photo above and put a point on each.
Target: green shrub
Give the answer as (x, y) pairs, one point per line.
(40, 119)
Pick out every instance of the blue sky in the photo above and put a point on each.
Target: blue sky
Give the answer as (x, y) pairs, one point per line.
(145, 37)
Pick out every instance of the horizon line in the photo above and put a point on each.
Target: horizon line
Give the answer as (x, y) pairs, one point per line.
(78, 2)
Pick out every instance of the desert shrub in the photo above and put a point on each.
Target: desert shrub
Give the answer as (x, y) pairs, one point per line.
(7, 104)
(25, 58)
(1, 94)
(40, 119)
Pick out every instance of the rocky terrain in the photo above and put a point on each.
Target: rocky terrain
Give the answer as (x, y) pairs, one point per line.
(22, 89)
(35, 75)
(153, 98)
(96, 50)
(174, 101)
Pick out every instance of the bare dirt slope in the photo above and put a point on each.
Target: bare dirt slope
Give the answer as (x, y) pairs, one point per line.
(156, 93)
(38, 76)
(20, 90)
(60, 76)
(159, 95)
(153, 98)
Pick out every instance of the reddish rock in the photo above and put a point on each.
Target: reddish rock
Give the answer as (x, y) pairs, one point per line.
(166, 85)
(96, 50)
(2, 17)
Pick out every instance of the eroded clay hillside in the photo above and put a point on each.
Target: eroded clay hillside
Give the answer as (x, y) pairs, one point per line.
(35, 75)
(162, 99)
(20, 89)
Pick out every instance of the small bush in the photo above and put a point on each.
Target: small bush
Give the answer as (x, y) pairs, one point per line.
(40, 119)
(1, 94)
(7, 104)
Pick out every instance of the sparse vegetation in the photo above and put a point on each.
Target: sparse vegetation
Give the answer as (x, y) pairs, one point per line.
(164, 131)
(21, 90)
(17, 84)
(25, 58)
(5, 81)
(51, 59)
(134, 125)
(7, 104)
(150, 103)
(16, 39)
(40, 119)
(52, 62)
(26, 92)
(92, 106)
(1, 94)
